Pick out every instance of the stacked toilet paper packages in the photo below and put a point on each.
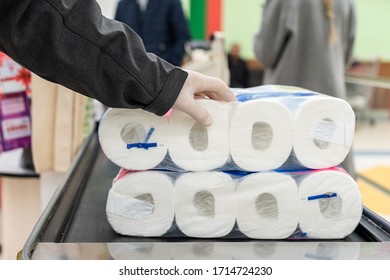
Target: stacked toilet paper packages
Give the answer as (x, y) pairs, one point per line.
(267, 168)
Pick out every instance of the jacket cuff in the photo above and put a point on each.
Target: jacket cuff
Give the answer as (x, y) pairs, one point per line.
(169, 93)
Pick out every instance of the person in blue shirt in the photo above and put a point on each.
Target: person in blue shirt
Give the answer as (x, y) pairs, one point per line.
(160, 23)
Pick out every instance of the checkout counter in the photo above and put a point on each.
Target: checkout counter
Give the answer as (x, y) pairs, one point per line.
(74, 226)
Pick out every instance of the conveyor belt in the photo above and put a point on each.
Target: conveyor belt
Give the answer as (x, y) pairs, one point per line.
(74, 225)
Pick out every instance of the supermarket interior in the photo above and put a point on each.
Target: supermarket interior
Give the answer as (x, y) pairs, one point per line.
(111, 76)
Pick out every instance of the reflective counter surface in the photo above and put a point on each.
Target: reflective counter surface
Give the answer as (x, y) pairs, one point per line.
(251, 250)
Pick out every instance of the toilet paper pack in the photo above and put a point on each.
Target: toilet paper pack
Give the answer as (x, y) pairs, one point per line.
(268, 128)
(323, 126)
(318, 204)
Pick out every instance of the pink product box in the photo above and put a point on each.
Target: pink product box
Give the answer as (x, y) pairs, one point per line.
(15, 121)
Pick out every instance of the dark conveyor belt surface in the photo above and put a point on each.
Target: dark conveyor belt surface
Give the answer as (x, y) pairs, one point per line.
(77, 215)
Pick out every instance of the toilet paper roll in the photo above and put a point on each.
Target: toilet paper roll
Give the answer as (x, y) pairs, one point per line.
(323, 131)
(267, 205)
(140, 251)
(141, 204)
(195, 147)
(204, 204)
(261, 134)
(330, 204)
(133, 138)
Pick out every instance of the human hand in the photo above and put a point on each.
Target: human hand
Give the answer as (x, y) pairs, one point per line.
(201, 86)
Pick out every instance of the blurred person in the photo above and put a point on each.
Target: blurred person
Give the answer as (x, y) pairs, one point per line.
(307, 43)
(237, 67)
(69, 42)
(209, 57)
(160, 23)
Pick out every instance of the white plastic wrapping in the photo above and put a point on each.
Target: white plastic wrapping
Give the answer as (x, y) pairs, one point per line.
(134, 138)
(195, 147)
(323, 126)
(141, 204)
(265, 169)
(320, 204)
(269, 128)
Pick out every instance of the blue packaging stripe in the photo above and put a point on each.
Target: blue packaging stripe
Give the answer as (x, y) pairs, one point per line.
(320, 196)
(237, 173)
(147, 137)
(145, 146)
(253, 96)
(241, 173)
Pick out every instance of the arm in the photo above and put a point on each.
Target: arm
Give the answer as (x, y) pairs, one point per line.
(71, 43)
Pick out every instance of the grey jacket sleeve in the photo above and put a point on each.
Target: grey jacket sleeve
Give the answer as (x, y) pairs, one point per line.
(69, 42)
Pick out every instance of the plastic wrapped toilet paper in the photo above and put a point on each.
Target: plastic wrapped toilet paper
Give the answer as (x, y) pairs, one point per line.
(141, 204)
(271, 127)
(323, 132)
(311, 204)
(323, 126)
(205, 204)
(194, 147)
(330, 204)
(133, 138)
(267, 205)
(261, 134)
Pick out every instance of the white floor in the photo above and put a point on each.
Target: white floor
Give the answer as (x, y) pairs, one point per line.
(372, 145)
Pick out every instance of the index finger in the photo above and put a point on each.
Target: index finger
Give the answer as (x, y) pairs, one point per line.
(218, 90)
(212, 87)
